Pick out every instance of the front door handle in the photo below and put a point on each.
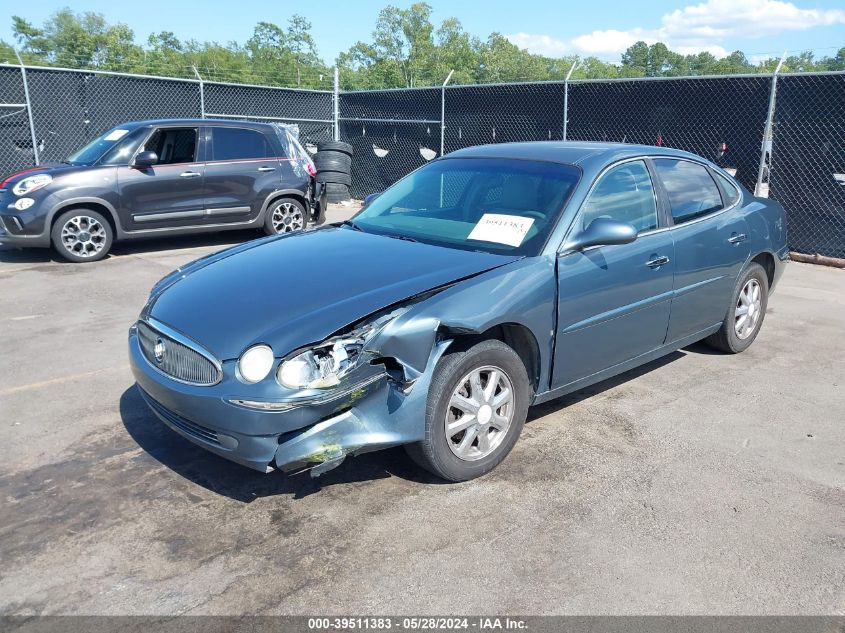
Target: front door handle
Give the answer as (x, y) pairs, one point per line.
(189, 174)
(736, 238)
(657, 262)
(266, 169)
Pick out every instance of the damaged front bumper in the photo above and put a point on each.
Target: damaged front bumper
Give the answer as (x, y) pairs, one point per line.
(367, 414)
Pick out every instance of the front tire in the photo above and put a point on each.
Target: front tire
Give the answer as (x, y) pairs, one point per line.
(477, 405)
(285, 215)
(746, 313)
(82, 235)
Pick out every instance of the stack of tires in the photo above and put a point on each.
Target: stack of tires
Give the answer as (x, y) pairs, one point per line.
(333, 161)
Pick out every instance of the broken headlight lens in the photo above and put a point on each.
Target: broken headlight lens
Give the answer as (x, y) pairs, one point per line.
(324, 365)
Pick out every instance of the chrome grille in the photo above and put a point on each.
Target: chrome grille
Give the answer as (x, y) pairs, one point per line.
(176, 358)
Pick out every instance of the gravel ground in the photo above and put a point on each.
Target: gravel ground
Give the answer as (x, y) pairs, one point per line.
(700, 483)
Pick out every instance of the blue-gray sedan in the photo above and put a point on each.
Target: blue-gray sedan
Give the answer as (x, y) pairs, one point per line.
(485, 282)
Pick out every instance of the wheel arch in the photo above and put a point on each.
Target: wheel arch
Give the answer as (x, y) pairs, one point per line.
(517, 336)
(94, 204)
(767, 261)
(296, 194)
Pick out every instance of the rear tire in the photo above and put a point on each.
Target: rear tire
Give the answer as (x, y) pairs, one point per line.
(745, 314)
(285, 215)
(477, 404)
(82, 235)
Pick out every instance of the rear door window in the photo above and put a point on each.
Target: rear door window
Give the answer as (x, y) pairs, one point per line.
(173, 145)
(229, 143)
(692, 192)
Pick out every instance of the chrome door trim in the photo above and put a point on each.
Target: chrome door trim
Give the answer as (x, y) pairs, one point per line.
(168, 215)
(227, 210)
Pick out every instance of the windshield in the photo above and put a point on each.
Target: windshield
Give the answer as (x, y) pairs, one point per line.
(494, 205)
(116, 146)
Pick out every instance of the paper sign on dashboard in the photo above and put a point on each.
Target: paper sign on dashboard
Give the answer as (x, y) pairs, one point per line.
(502, 229)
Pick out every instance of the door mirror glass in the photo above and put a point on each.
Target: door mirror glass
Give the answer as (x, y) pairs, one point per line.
(602, 232)
(145, 159)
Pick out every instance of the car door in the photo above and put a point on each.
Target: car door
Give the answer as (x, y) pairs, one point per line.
(613, 301)
(169, 193)
(244, 168)
(711, 245)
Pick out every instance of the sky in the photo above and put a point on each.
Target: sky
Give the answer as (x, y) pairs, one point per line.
(760, 28)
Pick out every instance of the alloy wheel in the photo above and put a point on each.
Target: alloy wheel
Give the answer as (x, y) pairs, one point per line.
(749, 309)
(83, 236)
(288, 218)
(480, 413)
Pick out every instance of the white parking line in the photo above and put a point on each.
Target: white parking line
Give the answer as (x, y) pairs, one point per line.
(57, 381)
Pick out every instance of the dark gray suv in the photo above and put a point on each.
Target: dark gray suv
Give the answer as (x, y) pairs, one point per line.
(163, 177)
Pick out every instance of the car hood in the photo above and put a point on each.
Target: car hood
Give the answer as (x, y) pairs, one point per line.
(54, 169)
(299, 289)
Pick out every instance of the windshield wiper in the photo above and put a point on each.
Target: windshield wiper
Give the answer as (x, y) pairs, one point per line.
(352, 225)
(401, 237)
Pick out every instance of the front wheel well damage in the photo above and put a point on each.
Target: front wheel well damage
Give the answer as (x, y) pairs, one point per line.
(518, 337)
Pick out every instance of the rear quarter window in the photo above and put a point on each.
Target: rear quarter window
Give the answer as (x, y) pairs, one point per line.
(730, 192)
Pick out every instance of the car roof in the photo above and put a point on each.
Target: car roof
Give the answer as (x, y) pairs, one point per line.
(213, 122)
(582, 153)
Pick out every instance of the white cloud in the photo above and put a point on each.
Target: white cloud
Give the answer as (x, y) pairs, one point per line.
(540, 44)
(691, 29)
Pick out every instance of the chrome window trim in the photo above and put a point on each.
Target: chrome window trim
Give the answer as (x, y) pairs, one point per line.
(659, 229)
(707, 167)
(184, 340)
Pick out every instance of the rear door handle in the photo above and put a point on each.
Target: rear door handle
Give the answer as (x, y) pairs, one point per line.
(657, 262)
(736, 238)
(266, 169)
(189, 174)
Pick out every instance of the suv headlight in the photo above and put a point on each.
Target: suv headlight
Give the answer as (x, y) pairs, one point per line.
(324, 365)
(31, 183)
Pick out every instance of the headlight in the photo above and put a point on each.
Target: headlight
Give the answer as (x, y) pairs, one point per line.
(31, 183)
(22, 204)
(255, 363)
(325, 364)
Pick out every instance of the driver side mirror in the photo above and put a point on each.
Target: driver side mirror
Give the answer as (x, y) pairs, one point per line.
(601, 232)
(145, 159)
(370, 198)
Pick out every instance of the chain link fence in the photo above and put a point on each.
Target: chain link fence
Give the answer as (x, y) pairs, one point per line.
(71, 107)
(808, 161)
(724, 119)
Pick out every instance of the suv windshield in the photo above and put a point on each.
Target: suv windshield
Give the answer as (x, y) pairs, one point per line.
(118, 143)
(503, 206)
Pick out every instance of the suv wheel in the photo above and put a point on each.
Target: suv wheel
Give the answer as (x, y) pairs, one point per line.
(285, 215)
(477, 405)
(82, 235)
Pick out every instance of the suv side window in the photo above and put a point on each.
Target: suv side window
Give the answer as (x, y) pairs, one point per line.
(229, 143)
(624, 193)
(173, 145)
(692, 192)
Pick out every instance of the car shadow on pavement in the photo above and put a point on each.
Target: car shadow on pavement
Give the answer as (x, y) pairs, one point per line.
(241, 483)
(222, 239)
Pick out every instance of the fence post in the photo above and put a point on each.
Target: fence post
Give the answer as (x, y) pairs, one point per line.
(336, 104)
(202, 92)
(566, 97)
(443, 113)
(767, 132)
(29, 110)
